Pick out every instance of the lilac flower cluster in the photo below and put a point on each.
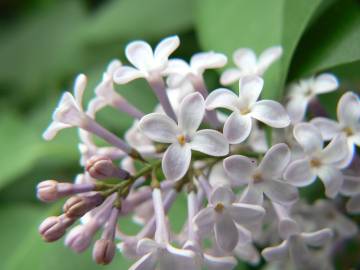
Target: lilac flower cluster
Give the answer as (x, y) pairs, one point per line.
(223, 162)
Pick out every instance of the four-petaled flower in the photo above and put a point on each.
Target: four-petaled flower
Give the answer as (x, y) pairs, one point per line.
(348, 114)
(223, 215)
(265, 178)
(318, 160)
(245, 107)
(248, 65)
(301, 93)
(183, 136)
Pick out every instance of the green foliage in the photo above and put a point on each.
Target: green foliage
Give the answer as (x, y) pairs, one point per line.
(48, 42)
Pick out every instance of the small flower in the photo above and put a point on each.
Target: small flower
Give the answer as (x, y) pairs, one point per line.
(296, 246)
(183, 137)
(248, 65)
(146, 62)
(318, 161)
(265, 178)
(198, 64)
(69, 112)
(223, 215)
(302, 93)
(348, 114)
(245, 107)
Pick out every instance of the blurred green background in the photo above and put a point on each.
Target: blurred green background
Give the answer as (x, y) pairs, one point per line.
(45, 43)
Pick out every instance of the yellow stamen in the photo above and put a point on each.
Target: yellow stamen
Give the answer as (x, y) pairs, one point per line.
(257, 178)
(219, 207)
(181, 139)
(315, 163)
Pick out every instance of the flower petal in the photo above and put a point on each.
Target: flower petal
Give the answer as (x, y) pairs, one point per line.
(318, 238)
(226, 234)
(239, 167)
(245, 213)
(147, 245)
(179, 259)
(166, 47)
(267, 57)
(271, 113)
(53, 129)
(79, 88)
(325, 83)
(178, 67)
(250, 88)
(252, 195)
(159, 127)
(299, 173)
(328, 127)
(217, 263)
(280, 192)
(335, 151)
(210, 142)
(176, 161)
(222, 195)
(191, 113)
(207, 60)
(147, 262)
(230, 76)
(222, 98)
(300, 254)
(309, 137)
(275, 161)
(348, 110)
(353, 205)
(140, 54)
(279, 252)
(205, 219)
(125, 74)
(245, 58)
(296, 108)
(237, 128)
(332, 179)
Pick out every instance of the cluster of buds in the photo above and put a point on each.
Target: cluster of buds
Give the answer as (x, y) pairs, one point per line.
(240, 168)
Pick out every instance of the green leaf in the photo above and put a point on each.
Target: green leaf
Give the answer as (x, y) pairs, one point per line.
(227, 25)
(129, 19)
(332, 41)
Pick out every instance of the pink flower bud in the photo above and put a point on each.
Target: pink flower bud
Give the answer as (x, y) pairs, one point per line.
(77, 206)
(104, 251)
(101, 167)
(79, 238)
(53, 228)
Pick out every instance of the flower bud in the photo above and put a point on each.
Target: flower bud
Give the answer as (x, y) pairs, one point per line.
(77, 206)
(100, 167)
(53, 228)
(79, 238)
(104, 251)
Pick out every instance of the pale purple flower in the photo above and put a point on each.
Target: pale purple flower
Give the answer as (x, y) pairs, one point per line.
(247, 64)
(296, 246)
(137, 140)
(318, 161)
(348, 114)
(301, 93)
(183, 136)
(223, 214)
(246, 107)
(264, 178)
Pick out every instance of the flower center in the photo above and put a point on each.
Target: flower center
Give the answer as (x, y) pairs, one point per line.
(257, 178)
(244, 111)
(181, 139)
(348, 131)
(315, 163)
(219, 207)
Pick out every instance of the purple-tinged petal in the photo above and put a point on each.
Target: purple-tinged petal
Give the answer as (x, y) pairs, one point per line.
(280, 192)
(328, 127)
(159, 127)
(245, 213)
(275, 161)
(332, 179)
(250, 88)
(325, 83)
(271, 113)
(267, 57)
(166, 47)
(125, 74)
(245, 58)
(210, 142)
(299, 173)
(348, 110)
(219, 263)
(309, 137)
(176, 161)
(207, 60)
(147, 262)
(237, 128)
(140, 54)
(205, 219)
(226, 234)
(279, 252)
(222, 195)
(318, 238)
(230, 76)
(222, 98)
(239, 167)
(191, 113)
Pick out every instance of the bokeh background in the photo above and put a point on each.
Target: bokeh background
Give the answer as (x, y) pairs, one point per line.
(45, 43)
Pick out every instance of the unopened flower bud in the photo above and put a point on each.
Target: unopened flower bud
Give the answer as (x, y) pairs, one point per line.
(79, 238)
(77, 206)
(104, 251)
(53, 228)
(51, 190)
(101, 167)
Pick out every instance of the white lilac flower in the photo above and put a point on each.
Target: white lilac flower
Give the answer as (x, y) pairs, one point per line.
(301, 93)
(146, 62)
(136, 139)
(247, 252)
(319, 161)
(348, 114)
(266, 178)
(296, 246)
(245, 107)
(247, 64)
(69, 112)
(183, 137)
(223, 215)
(159, 253)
